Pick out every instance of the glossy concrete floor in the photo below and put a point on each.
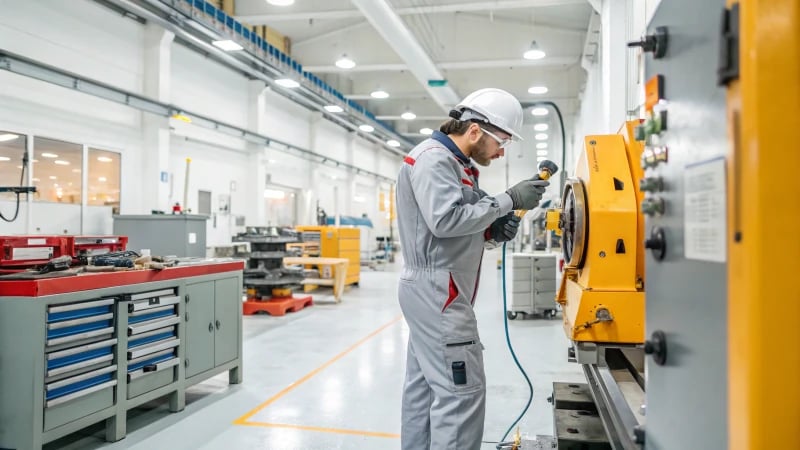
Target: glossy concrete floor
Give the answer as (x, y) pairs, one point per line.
(330, 377)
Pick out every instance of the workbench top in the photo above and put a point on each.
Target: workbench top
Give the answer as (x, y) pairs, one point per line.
(90, 281)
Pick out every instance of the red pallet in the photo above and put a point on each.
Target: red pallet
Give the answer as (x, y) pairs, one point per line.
(276, 307)
(30, 251)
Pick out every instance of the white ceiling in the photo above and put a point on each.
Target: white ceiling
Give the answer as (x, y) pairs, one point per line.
(474, 44)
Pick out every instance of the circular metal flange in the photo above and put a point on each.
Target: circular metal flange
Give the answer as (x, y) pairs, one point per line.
(575, 223)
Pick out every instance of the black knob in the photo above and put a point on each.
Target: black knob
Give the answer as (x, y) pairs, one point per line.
(655, 43)
(656, 347)
(657, 243)
(638, 434)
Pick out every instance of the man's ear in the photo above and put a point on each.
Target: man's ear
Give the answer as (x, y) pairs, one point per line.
(474, 133)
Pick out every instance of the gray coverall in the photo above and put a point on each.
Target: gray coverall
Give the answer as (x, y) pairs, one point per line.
(442, 217)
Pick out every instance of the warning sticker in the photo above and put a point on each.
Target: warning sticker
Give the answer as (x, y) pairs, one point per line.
(705, 220)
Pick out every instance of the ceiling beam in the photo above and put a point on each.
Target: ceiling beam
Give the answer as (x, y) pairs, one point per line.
(402, 40)
(453, 65)
(498, 5)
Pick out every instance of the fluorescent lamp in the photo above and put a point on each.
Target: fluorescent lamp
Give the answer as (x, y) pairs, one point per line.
(102, 179)
(426, 131)
(345, 63)
(541, 136)
(49, 155)
(408, 115)
(534, 52)
(76, 170)
(104, 159)
(366, 128)
(333, 108)
(5, 158)
(541, 127)
(541, 152)
(228, 45)
(281, 2)
(537, 90)
(53, 177)
(274, 194)
(8, 137)
(61, 162)
(392, 143)
(287, 83)
(379, 93)
(36, 179)
(539, 111)
(541, 145)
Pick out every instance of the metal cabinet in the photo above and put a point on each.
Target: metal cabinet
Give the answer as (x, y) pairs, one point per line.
(533, 284)
(213, 309)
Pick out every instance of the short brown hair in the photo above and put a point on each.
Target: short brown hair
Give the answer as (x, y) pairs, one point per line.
(459, 127)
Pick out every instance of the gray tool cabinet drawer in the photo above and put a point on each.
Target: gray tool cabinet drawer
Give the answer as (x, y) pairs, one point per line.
(80, 371)
(153, 341)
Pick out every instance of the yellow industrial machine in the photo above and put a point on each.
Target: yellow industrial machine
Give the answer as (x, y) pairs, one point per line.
(337, 242)
(602, 290)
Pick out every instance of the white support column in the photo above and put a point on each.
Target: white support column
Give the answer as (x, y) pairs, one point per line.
(259, 155)
(155, 130)
(350, 190)
(614, 60)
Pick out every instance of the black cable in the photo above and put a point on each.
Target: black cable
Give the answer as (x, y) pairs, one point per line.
(21, 180)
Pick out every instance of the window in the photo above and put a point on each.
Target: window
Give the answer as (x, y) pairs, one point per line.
(57, 170)
(12, 148)
(104, 178)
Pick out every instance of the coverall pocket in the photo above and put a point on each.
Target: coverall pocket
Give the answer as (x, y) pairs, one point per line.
(464, 365)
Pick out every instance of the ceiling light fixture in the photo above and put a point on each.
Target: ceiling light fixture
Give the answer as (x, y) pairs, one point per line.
(53, 177)
(228, 45)
(76, 170)
(5, 158)
(392, 143)
(102, 179)
(287, 83)
(104, 159)
(333, 108)
(538, 90)
(541, 127)
(379, 93)
(281, 2)
(541, 136)
(49, 155)
(534, 52)
(540, 158)
(541, 152)
(539, 111)
(366, 128)
(408, 115)
(345, 63)
(541, 145)
(8, 137)
(61, 162)
(426, 131)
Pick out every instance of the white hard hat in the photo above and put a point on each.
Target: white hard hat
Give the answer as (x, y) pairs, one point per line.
(494, 106)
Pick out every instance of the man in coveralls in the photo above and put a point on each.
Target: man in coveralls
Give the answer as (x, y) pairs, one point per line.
(445, 222)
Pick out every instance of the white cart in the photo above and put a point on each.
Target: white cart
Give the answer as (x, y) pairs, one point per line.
(533, 285)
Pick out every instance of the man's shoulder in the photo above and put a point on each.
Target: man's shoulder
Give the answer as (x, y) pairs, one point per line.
(431, 150)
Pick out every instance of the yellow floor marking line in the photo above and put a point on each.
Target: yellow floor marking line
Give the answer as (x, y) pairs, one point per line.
(243, 420)
(322, 429)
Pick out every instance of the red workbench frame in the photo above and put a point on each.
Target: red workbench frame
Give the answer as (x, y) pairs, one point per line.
(90, 281)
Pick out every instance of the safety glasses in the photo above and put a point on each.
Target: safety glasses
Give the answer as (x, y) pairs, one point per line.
(500, 142)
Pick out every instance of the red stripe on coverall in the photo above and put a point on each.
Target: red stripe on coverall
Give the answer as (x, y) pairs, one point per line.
(477, 281)
(409, 160)
(452, 295)
(466, 181)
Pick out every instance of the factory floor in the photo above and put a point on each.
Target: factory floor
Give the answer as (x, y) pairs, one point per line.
(330, 377)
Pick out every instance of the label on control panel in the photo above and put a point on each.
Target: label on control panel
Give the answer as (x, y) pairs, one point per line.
(705, 220)
(25, 253)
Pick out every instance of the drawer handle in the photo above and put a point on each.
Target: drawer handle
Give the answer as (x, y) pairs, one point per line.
(150, 368)
(217, 324)
(210, 327)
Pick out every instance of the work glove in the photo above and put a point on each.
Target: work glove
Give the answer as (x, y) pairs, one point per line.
(527, 193)
(504, 228)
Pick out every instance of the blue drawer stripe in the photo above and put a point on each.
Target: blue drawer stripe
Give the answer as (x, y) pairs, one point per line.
(77, 329)
(135, 343)
(138, 366)
(78, 313)
(79, 386)
(155, 315)
(73, 359)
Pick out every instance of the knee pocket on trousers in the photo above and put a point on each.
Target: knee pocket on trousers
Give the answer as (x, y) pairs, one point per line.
(464, 365)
